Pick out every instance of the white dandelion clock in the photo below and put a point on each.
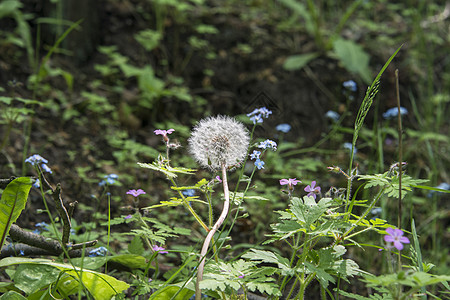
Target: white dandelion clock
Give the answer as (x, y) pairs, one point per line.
(219, 141)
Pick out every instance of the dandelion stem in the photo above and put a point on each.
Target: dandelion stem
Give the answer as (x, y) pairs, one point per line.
(213, 230)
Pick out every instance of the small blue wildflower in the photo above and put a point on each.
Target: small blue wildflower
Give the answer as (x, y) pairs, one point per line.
(332, 115)
(349, 147)
(258, 113)
(255, 154)
(42, 226)
(21, 253)
(46, 168)
(72, 231)
(393, 112)
(268, 144)
(256, 119)
(109, 179)
(350, 85)
(442, 186)
(100, 251)
(37, 183)
(259, 164)
(283, 127)
(376, 211)
(189, 193)
(36, 159)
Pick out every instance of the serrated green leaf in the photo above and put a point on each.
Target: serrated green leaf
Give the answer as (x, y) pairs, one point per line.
(12, 203)
(308, 211)
(136, 246)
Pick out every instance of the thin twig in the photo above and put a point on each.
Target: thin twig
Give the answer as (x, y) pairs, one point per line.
(400, 150)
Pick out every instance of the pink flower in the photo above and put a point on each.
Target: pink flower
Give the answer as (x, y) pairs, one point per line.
(163, 132)
(136, 193)
(159, 249)
(396, 236)
(290, 182)
(218, 179)
(312, 190)
(128, 217)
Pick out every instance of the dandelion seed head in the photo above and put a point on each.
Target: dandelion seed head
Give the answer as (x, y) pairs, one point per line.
(219, 140)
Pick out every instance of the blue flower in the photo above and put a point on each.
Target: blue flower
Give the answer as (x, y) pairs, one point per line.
(42, 226)
(21, 253)
(332, 115)
(100, 251)
(443, 186)
(259, 164)
(268, 144)
(255, 154)
(349, 147)
(36, 159)
(109, 179)
(376, 211)
(37, 183)
(350, 85)
(258, 113)
(283, 127)
(189, 193)
(393, 112)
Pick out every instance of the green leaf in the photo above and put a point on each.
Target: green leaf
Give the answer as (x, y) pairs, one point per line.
(101, 286)
(12, 295)
(32, 277)
(169, 291)
(308, 211)
(12, 203)
(270, 257)
(297, 62)
(353, 57)
(131, 261)
(136, 246)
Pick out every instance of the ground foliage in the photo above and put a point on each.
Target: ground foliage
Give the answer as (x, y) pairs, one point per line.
(91, 108)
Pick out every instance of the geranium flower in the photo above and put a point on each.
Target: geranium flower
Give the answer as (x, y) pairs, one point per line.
(136, 193)
(396, 237)
(312, 190)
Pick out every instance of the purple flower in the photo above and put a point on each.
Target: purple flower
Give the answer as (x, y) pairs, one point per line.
(290, 182)
(128, 217)
(218, 179)
(259, 164)
(312, 190)
(163, 132)
(396, 236)
(136, 193)
(255, 154)
(159, 249)
(283, 127)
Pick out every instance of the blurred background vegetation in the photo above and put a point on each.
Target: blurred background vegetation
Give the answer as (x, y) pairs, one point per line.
(84, 84)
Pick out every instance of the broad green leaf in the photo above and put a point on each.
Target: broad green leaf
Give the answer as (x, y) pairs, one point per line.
(353, 57)
(32, 277)
(169, 291)
(297, 62)
(101, 286)
(12, 203)
(131, 261)
(12, 295)
(307, 211)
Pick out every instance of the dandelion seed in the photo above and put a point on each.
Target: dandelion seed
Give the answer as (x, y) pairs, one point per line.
(396, 237)
(217, 141)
